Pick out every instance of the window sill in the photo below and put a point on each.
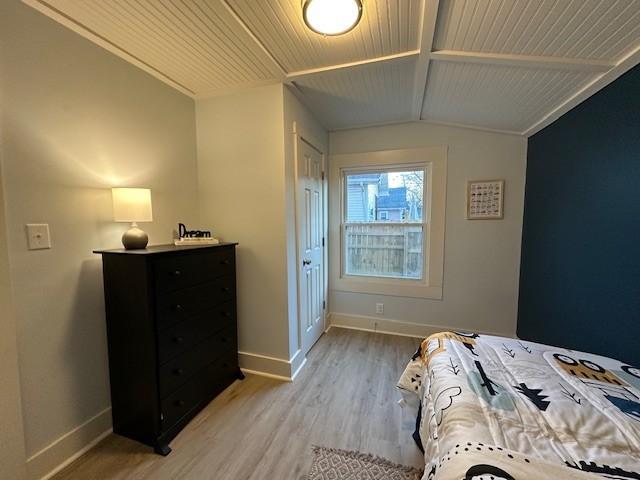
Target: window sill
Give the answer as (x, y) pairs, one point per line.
(398, 288)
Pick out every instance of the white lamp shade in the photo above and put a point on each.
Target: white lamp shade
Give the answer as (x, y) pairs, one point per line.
(132, 205)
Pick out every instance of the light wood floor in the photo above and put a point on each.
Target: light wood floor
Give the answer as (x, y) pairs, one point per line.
(345, 397)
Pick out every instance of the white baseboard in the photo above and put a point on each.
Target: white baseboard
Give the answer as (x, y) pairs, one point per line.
(271, 367)
(281, 378)
(45, 463)
(63, 451)
(298, 361)
(395, 327)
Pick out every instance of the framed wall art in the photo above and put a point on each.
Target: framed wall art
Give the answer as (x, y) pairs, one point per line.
(485, 199)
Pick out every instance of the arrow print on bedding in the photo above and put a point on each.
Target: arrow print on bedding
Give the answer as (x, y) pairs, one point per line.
(454, 368)
(525, 348)
(569, 395)
(508, 351)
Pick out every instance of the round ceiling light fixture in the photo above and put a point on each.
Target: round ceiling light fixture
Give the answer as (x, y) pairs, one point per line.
(331, 17)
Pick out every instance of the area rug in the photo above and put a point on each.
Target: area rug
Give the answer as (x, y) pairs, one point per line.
(335, 464)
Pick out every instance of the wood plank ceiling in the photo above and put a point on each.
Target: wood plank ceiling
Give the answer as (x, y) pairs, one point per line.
(505, 65)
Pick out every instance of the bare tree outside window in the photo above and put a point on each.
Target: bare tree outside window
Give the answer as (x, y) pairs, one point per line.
(414, 181)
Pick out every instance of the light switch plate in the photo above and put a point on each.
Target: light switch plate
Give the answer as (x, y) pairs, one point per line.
(38, 236)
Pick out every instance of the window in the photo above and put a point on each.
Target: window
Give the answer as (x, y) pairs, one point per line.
(383, 223)
(386, 221)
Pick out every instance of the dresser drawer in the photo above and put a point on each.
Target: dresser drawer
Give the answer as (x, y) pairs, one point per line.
(184, 335)
(182, 304)
(180, 271)
(209, 381)
(180, 369)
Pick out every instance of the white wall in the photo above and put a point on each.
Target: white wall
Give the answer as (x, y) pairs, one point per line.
(307, 126)
(482, 258)
(241, 187)
(78, 120)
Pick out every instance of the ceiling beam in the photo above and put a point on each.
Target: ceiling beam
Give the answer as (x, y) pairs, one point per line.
(281, 70)
(526, 61)
(428, 18)
(345, 66)
(472, 127)
(625, 64)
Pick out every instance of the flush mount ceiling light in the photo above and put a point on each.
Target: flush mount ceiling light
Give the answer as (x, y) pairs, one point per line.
(331, 17)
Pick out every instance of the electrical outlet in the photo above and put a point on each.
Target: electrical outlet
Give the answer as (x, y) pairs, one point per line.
(38, 237)
(380, 308)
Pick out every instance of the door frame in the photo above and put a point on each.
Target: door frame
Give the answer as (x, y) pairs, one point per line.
(301, 136)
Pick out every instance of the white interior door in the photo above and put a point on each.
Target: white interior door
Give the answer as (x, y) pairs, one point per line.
(310, 230)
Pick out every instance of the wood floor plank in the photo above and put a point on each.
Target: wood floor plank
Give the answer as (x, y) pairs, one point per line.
(345, 397)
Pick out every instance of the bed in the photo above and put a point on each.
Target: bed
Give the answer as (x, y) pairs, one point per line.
(501, 408)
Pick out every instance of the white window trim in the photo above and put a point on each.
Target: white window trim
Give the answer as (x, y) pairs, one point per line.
(434, 159)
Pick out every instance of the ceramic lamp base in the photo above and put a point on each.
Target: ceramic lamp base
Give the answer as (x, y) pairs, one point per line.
(135, 238)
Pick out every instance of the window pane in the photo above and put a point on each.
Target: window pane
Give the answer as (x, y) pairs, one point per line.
(385, 196)
(380, 250)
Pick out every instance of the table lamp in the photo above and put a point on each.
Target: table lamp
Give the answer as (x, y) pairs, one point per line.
(132, 205)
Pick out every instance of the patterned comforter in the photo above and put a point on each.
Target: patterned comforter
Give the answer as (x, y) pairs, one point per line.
(500, 408)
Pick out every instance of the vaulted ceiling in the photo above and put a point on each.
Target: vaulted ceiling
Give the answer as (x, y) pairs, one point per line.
(505, 65)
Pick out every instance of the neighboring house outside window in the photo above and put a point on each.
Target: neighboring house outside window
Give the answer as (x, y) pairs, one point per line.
(362, 191)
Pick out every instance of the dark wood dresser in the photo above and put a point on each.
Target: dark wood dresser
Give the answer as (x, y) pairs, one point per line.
(172, 336)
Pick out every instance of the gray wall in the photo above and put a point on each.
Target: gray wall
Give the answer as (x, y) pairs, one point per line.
(242, 196)
(247, 192)
(481, 257)
(78, 120)
(12, 454)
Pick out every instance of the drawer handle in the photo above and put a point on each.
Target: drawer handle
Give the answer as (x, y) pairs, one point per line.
(225, 289)
(225, 314)
(178, 371)
(179, 403)
(178, 339)
(225, 262)
(177, 307)
(176, 273)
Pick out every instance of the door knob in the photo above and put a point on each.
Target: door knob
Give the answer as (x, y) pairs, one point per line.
(306, 261)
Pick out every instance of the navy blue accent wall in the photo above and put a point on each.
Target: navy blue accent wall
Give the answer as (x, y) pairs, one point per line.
(580, 268)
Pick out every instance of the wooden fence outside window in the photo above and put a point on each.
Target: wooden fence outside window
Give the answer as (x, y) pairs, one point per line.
(384, 249)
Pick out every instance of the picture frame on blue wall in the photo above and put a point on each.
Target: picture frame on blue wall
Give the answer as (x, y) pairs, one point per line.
(485, 200)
